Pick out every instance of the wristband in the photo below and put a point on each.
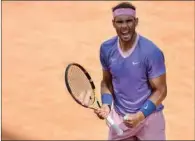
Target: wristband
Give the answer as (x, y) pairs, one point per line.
(106, 98)
(148, 108)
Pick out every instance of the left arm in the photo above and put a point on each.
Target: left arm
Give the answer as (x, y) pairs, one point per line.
(159, 89)
(159, 93)
(156, 72)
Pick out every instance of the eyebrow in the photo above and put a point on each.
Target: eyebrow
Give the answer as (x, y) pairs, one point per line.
(120, 20)
(128, 18)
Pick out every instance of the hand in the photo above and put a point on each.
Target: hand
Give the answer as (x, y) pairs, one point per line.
(103, 111)
(132, 120)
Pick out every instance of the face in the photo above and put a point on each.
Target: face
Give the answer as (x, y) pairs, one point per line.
(125, 26)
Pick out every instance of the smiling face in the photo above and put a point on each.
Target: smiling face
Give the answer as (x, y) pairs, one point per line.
(125, 26)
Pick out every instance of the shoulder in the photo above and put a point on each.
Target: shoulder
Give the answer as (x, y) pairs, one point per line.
(149, 48)
(108, 44)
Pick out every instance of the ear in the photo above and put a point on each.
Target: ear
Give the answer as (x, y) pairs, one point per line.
(113, 23)
(136, 21)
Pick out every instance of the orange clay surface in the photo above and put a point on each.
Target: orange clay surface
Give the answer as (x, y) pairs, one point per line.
(39, 39)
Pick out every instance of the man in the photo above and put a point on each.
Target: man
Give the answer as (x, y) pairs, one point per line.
(134, 80)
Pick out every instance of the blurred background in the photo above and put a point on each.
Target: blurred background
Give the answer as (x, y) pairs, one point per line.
(39, 39)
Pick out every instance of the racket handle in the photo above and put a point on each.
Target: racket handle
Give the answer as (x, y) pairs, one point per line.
(118, 130)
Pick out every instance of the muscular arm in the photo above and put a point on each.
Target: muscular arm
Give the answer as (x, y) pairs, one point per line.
(159, 89)
(106, 83)
(156, 72)
(159, 92)
(106, 88)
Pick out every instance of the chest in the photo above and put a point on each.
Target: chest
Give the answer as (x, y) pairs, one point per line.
(131, 66)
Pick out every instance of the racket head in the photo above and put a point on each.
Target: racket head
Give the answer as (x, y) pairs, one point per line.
(79, 81)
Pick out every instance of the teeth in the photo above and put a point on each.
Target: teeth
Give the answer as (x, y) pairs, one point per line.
(126, 35)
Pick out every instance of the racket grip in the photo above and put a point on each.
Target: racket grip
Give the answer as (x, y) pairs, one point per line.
(117, 129)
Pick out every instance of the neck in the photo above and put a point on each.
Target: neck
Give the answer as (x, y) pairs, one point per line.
(128, 45)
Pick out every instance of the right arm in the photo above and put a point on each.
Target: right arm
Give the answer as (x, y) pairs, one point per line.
(106, 88)
(106, 83)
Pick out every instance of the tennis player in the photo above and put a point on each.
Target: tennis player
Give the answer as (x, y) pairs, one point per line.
(134, 80)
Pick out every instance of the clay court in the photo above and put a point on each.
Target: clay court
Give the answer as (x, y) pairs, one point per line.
(39, 39)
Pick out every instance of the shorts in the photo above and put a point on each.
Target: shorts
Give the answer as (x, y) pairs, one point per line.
(151, 128)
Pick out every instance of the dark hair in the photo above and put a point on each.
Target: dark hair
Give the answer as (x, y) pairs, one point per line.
(124, 5)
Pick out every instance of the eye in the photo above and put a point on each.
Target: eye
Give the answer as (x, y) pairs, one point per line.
(129, 21)
(119, 22)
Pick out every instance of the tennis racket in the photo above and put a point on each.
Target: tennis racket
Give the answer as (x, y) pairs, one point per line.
(82, 89)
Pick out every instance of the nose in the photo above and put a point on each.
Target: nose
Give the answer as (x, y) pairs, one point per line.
(124, 25)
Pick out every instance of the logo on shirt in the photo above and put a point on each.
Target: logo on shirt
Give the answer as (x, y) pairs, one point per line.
(135, 63)
(113, 59)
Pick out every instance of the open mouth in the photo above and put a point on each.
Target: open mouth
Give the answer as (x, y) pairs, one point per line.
(126, 34)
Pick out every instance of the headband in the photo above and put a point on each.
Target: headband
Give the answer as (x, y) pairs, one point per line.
(124, 11)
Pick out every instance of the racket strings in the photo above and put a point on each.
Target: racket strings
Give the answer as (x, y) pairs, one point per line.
(80, 86)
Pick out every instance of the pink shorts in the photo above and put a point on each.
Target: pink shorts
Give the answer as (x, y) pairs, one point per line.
(152, 128)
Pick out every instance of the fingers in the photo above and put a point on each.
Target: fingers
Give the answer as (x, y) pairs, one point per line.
(102, 113)
(129, 123)
(129, 120)
(97, 111)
